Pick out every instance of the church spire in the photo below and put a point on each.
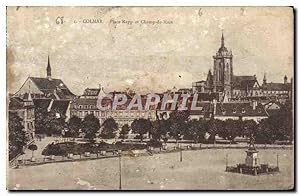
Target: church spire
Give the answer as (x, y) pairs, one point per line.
(265, 79)
(222, 41)
(48, 69)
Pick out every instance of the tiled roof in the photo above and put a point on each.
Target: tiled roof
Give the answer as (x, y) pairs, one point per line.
(57, 105)
(15, 103)
(60, 105)
(277, 86)
(206, 109)
(244, 82)
(240, 109)
(53, 86)
(42, 103)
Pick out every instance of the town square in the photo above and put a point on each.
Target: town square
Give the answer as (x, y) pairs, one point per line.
(198, 100)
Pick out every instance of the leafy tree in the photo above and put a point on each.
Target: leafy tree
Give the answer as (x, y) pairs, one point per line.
(90, 125)
(196, 130)
(17, 136)
(40, 121)
(278, 126)
(178, 121)
(264, 133)
(165, 126)
(109, 128)
(124, 131)
(33, 148)
(74, 125)
(56, 121)
(52, 122)
(232, 129)
(155, 132)
(214, 126)
(141, 126)
(248, 127)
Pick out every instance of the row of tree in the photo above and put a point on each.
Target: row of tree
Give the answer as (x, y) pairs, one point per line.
(277, 127)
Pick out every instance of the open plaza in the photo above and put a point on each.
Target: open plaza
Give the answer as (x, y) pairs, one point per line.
(199, 170)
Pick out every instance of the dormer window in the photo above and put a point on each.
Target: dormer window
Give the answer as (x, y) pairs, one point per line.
(223, 111)
(259, 110)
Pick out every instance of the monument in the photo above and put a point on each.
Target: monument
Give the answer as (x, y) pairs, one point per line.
(251, 165)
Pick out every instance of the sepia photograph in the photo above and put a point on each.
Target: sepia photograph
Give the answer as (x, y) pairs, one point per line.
(150, 98)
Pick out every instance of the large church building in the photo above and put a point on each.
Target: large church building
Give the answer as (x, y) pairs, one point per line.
(231, 87)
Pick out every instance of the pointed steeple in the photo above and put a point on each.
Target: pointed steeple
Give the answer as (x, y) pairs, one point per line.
(222, 41)
(285, 79)
(48, 69)
(265, 79)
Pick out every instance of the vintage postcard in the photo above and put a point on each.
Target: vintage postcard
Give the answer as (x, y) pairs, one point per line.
(150, 98)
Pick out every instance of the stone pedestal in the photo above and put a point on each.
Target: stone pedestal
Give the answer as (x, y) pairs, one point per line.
(252, 158)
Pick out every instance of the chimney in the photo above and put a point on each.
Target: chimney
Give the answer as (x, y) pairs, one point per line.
(254, 104)
(214, 106)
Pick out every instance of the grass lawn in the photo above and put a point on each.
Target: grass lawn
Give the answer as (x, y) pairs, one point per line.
(199, 170)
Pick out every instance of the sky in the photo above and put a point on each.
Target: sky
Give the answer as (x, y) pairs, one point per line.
(145, 57)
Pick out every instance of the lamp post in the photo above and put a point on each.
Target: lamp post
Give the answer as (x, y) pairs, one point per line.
(277, 161)
(120, 172)
(226, 161)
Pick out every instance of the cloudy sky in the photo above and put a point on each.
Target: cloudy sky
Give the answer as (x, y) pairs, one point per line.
(145, 57)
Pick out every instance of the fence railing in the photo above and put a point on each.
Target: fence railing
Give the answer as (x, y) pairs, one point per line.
(147, 152)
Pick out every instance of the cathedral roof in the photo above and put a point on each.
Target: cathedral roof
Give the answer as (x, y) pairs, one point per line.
(244, 82)
(50, 86)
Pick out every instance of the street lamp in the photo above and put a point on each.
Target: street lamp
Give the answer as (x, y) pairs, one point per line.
(180, 155)
(120, 171)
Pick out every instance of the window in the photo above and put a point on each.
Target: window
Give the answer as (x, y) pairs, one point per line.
(243, 110)
(91, 106)
(80, 106)
(259, 110)
(223, 110)
(80, 113)
(85, 113)
(97, 113)
(234, 111)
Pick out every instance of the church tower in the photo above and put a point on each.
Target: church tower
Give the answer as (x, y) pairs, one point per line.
(49, 69)
(223, 71)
